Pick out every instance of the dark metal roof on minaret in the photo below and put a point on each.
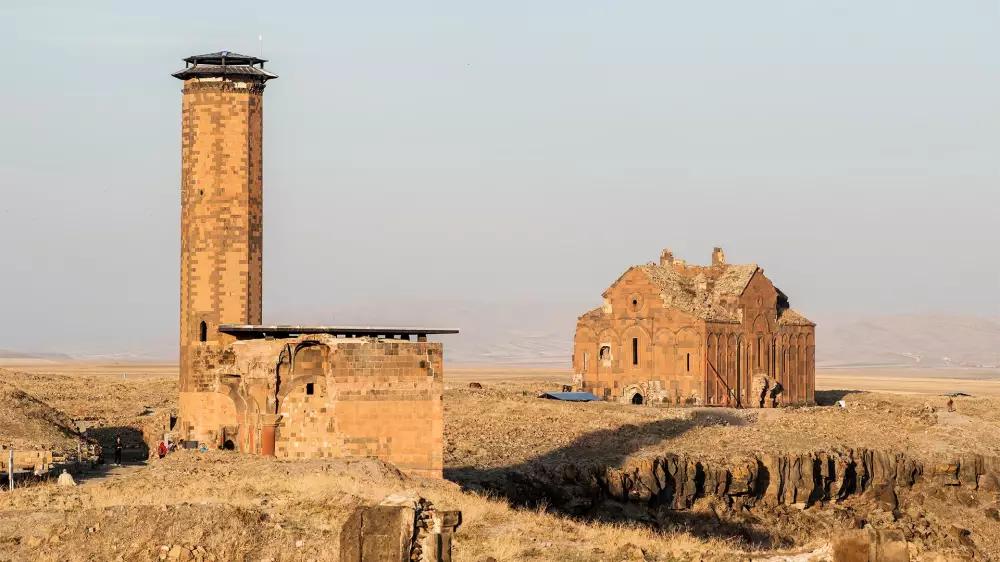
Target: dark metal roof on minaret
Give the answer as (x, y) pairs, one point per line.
(224, 64)
(224, 57)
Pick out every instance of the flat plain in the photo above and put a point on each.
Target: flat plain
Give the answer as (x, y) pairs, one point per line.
(223, 506)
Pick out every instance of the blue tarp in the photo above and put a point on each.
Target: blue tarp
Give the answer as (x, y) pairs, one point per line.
(570, 396)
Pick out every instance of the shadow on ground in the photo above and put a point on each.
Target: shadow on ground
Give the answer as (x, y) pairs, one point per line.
(536, 483)
(830, 397)
(134, 445)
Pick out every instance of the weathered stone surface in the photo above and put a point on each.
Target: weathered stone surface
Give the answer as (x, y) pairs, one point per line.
(870, 545)
(988, 483)
(675, 482)
(851, 546)
(686, 334)
(402, 528)
(947, 473)
(278, 392)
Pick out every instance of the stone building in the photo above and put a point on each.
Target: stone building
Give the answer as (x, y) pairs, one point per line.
(290, 391)
(721, 334)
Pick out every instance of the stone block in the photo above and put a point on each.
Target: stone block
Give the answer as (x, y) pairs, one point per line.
(402, 528)
(870, 545)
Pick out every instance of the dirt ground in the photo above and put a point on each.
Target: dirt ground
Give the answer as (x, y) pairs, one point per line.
(232, 506)
(491, 427)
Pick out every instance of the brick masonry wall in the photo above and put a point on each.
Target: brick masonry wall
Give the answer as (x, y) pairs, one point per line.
(330, 397)
(378, 398)
(333, 397)
(682, 358)
(670, 345)
(221, 212)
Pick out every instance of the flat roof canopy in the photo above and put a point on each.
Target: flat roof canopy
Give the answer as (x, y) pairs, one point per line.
(254, 331)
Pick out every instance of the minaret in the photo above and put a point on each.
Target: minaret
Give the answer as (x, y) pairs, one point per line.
(221, 215)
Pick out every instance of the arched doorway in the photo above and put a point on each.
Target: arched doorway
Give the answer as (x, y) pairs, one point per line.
(637, 399)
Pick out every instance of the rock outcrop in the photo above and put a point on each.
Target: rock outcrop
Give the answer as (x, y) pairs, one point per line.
(677, 481)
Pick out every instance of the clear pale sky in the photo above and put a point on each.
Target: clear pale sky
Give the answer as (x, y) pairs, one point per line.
(506, 152)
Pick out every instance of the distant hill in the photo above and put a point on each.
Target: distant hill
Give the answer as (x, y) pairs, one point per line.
(499, 333)
(8, 354)
(541, 333)
(910, 340)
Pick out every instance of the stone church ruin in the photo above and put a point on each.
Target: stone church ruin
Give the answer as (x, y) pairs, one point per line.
(287, 391)
(721, 334)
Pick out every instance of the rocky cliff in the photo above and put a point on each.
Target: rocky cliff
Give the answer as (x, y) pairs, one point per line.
(676, 481)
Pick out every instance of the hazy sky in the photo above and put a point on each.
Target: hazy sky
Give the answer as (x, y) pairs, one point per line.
(506, 151)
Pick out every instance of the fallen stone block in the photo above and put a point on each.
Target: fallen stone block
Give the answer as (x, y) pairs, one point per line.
(870, 545)
(401, 528)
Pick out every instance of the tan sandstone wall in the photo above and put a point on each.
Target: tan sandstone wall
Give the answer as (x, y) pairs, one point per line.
(378, 398)
(332, 397)
(221, 221)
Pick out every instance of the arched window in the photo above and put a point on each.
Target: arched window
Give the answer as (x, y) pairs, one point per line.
(203, 332)
(689, 362)
(635, 351)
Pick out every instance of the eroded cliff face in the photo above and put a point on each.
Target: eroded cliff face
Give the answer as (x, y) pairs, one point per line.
(828, 491)
(677, 481)
(807, 479)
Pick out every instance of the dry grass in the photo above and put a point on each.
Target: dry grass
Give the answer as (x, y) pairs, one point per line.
(234, 506)
(28, 423)
(239, 507)
(505, 424)
(99, 392)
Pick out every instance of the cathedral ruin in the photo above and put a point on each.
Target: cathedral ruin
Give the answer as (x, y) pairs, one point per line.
(287, 391)
(721, 334)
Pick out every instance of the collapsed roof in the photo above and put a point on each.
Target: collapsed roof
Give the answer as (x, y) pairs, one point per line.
(703, 291)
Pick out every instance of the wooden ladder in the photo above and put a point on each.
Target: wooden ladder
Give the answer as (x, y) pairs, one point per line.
(729, 391)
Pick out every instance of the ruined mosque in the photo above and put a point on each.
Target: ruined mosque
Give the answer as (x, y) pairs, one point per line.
(721, 334)
(286, 391)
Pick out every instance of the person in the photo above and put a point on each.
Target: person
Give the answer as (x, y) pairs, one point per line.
(161, 450)
(951, 404)
(118, 449)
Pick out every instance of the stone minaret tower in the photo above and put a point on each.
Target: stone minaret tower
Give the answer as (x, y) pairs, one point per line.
(221, 217)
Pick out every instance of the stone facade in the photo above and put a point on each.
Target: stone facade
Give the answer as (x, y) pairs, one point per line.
(675, 333)
(320, 392)
(221, 220)
(324, 396)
